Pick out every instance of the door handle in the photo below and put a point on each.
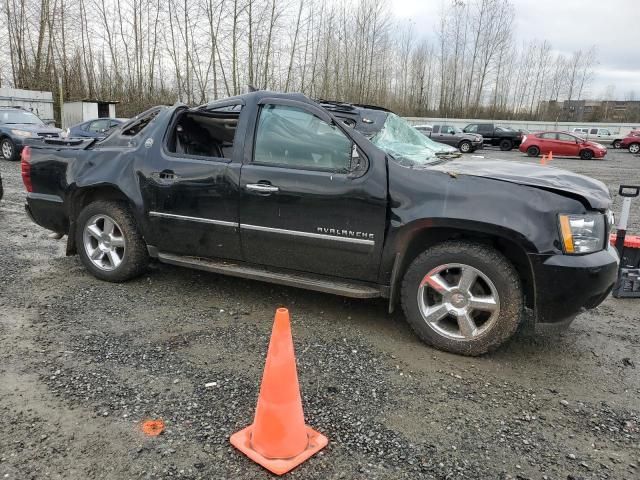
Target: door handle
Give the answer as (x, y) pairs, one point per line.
(262, 187)
(165, 176)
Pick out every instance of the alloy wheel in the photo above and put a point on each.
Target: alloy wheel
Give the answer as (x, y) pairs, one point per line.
(104, 242)
(7, 150)
(458, 301)
(634, 148)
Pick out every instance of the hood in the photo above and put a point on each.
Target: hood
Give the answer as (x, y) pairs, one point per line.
(594, 192)
(35, 128)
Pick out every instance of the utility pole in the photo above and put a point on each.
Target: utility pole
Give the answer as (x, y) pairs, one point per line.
(61, 101)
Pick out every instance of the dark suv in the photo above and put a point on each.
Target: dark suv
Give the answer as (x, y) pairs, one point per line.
(18, 124)
(495, 135)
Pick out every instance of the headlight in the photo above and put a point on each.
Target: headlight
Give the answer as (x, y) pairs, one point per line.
(21, 133)
(582, 233)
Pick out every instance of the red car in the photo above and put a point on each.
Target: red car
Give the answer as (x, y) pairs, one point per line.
(632, 142)
(561, 143)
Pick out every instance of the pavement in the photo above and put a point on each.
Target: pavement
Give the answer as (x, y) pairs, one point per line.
(83, 363)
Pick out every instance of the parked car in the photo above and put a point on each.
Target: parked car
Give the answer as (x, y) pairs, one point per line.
(274, 187)
(97, 128)
(383, 127)
(600, 135)
(495, 135)
(425, 129)
(561, 143)
(454, 136)
(632, 143)
(17, 125)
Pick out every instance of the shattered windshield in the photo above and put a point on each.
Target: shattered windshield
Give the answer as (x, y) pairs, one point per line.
(406, 144)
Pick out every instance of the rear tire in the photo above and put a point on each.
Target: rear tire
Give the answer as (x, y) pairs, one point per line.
(506, 145)
(634, 148)
(616, 144)
(109, 242)
(491, 277)
(465, 146)
(8, 150)
(586, 154)
(533, 151)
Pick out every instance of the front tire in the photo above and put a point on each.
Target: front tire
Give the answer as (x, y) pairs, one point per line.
(506, 145)
(109, 243)
(8, 150)
(533, 151)
(462, 297)
(465, 146)
(634, 148)
(586, 154)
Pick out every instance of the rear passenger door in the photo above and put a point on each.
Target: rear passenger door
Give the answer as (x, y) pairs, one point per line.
(191, 186)
(310, 198)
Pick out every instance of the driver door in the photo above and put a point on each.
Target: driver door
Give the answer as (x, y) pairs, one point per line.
(309, 199)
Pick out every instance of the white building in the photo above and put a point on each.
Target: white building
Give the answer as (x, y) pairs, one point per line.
(83, 110)
(38, 102)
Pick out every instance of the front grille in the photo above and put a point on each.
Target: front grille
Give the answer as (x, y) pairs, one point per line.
(48, 135)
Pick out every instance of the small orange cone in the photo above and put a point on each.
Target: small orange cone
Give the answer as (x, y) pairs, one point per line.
(550, 156)
(278, 439)
(543, 160)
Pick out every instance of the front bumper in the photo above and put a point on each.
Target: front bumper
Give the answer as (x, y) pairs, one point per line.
(601, 153)
(566, 285)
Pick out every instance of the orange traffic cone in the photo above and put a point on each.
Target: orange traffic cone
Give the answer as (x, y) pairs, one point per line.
(550, 156)
(543, 160)
(278, 439)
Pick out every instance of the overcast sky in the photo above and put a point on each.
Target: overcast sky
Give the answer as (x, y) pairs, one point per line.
(613, 26)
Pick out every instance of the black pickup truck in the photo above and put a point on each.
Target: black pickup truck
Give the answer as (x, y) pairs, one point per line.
(274, 187)
(495, 135)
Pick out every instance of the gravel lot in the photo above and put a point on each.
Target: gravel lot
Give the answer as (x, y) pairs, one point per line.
(83, 362)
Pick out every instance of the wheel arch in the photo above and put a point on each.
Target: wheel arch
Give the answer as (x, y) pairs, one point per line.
(81, 197)
(424, 238)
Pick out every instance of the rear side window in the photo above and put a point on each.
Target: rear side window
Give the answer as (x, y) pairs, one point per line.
(436, 129)
(566, 137)
(99, 126)
(292, 137)
(136, 125)
(208, 134)
(484, 129)
(547, 136)
(594, 131)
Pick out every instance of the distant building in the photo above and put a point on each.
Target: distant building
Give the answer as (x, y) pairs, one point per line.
(77, 112)
(579, 110)
(622, 111)
(38, 102)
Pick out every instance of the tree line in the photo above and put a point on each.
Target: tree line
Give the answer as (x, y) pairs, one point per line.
(147, 52)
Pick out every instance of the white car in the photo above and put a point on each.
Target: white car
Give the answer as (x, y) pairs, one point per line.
(602, 135)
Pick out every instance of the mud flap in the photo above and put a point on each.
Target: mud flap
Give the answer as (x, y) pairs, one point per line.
(71, 239)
